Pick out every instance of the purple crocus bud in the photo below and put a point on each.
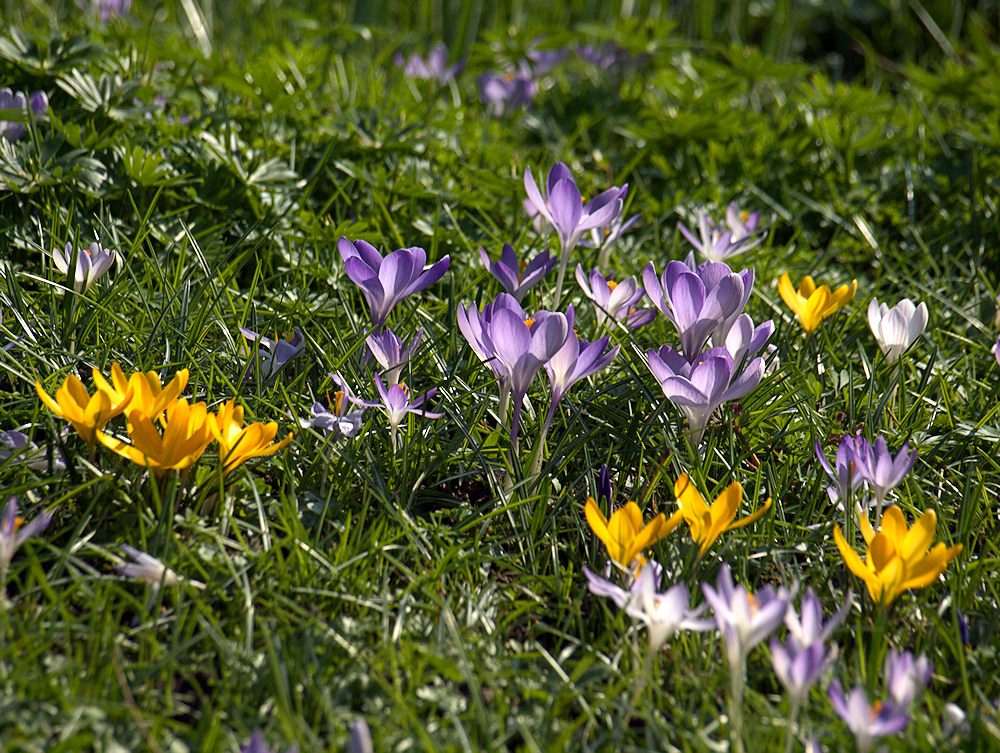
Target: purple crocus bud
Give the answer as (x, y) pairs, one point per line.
(718, 244)
(16, 447)
(906, 676)
(883, 472)
(614, 299)
(575, 360)
(385, 282)
(388, 350)
(664, 613)
(605, 492)
(743, 618)
(744, 340)
(397, 403)
(273, 354)
(91, 264)
(867, 722)
(807, 627)
(799, 667)
(543, 62)
(522, 350)
(13, 534)
(701, 303)
(517, 277)
(504, 94)
(474, 326)
(851, 467)
(434, 68)
(699, 388)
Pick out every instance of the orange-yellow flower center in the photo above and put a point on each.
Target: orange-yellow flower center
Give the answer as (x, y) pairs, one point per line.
(529, 321)
(612, 285)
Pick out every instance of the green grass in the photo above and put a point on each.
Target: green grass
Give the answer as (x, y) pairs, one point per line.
(432, 591)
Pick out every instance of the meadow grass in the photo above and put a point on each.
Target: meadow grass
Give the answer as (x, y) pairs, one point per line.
(437, 591)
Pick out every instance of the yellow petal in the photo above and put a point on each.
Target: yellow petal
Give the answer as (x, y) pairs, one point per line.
(755, 516)
(915, 543)
(807, 287)
(726, 505)
(689, 500)
(788, 293)
(596, 520)
(930, 567)
(51, 404)
(894, 525)
(812, 313)
(854, 563)
(866, 526)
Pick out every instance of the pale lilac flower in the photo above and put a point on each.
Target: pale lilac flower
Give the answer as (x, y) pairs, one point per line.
(12, 130)
(614, 299)
(397, 403)
(273, 354)
(109, 9)
(388, 350)
(745, 340)
(850, 470)
(517, 277)
(609, 56)
(883, 472)
(543, 62)
(996, 351)
(896, 329)
(906, 676)
(716, 243)
(337, 421)
(954, 719)
(538, 222)
(18, 448)
(799, 668)
(664, 613)
(147, 568)
(867, 722)
(744, 619)
(13, 534)
(385, 282)
(700, 302)
(505, 93)
(434, 68)
(91, 264)
(475, 326)
(360, 739)
(699, 388)
(809, 628)
(575, 360)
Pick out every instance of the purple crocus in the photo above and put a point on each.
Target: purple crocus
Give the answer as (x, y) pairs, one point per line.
(606, 236)
(614, 299)
(806, 626)
(397, 403)
(474, 325)
(701, 302)
(745, 340)
(434, 68)
(664, 613)
(996, 351)
(385, 282)
(867, 722)
(522, 348)
(505, 93)
(13, 534)
(388, 350)
(716, 243)
(575, 360)
(517, 277)
(883, 471)
(605, 492)
(850, 467)
(562, 206)
(273, 354)
(543, 62)
(13, 130)
(16, 447)
(700, 387)
(109, 9)
(336, 420)
(906, 676)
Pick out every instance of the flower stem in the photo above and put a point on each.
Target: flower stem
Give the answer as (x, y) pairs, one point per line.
(736, 707)
(793, 714)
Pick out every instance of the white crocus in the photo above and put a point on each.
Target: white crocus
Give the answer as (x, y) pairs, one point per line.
(91, 264)
(147, 568)
(896, 329)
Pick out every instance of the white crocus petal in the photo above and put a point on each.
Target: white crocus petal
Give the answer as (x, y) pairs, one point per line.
(896, 329)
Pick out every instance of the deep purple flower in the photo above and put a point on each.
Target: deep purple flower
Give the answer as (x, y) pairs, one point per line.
(12, 130)
(517, 277)
(18, 448)
(505, 93)
(702, 302)
(700, 387)
(575, 360)
(388, 350)
(605, 493)
(851, 467)
(664, 613)
(474, 326)
(273, 354)
(614, 299)
(434, 68)
(718, 244)
(385, 282)
(337, 421)
(906, 676)
(867, 722)
(13, 534)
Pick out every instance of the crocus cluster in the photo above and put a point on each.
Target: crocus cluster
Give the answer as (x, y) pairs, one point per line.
(718, 242)
(434, 67)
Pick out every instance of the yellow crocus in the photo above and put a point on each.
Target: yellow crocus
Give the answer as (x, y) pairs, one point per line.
(811, 304)
(149, 396)
(86, 413)
(185, 437)
(708, 523)
(898, 558)
(624, 535)
(237, 442)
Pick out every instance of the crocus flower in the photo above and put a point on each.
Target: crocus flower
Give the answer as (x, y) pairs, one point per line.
(385, 282)
(664, 613)
(811, 304)
(810, 628)
(273, 354)
(517, 277)
(699, 388)
(434, 68)
(18, 448)
(12, 130)
(614, 299)
(397, 403)
(605, 236)
(798, 668)
(388, 350)
(605, 491)
(91, 264)
(896, 329)
(185, 436)
(701, 302)
(360, 737)
(850, 467)
(148, 569)
(624, 534)
(543, 62)
(706, 522)
(149, 395)
(522, 350)
(239, 443)
(475, 327)
(13, 533)
(898, 558)
(575, 360)
(867, 722)
(745, 340)
(109, 9)
(883, 472)
(744, 619)
(906, 676)
(84, 412)
(609, 56)
(718, 244)
(563, 207)
(337, 421)
(505, 93)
